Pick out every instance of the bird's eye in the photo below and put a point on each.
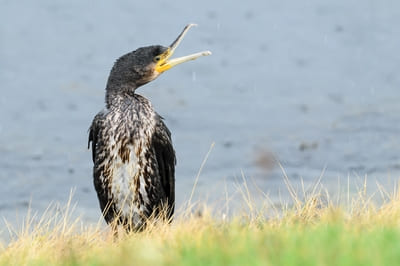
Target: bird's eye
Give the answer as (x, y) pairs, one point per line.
(157, 58)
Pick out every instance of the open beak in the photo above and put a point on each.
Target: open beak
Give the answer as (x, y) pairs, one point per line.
(166, 63)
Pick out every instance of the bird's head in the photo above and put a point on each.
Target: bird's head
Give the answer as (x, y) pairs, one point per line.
(146, 63)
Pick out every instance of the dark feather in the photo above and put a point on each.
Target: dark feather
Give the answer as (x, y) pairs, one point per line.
(126, 127)
(93, 132)
(134, 161)
(166, 161)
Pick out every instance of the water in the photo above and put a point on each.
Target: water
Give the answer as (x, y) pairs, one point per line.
(314, 84)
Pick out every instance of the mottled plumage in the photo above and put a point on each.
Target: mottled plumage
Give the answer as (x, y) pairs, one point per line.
(134, 161)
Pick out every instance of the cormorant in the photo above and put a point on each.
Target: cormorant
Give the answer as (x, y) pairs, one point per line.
(134, 161)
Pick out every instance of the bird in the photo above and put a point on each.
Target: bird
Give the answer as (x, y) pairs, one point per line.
(133, 156)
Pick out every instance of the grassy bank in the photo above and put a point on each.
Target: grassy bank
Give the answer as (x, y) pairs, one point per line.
(313, 231)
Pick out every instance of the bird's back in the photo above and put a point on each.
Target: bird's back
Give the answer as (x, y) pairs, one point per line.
(134, 162)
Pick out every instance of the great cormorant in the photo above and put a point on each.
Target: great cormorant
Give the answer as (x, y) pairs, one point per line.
(134, 161)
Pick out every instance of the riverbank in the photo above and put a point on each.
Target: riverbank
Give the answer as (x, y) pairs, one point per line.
(313, 230)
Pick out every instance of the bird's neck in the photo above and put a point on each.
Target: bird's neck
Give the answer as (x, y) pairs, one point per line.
(118, 92)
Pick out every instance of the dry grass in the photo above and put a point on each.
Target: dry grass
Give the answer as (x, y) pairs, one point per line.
(306, 230)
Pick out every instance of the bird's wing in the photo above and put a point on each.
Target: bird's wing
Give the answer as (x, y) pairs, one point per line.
(166, 160)
(94, 133)
(99, 154)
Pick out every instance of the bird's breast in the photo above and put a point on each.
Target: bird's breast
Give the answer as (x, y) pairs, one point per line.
(130, 155)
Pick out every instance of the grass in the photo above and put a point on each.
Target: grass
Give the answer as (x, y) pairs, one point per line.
(314, 230)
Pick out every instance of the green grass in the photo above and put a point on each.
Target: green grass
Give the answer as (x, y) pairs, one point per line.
(314, 231)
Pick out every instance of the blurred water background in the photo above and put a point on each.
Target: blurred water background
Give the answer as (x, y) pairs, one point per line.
(311, 84)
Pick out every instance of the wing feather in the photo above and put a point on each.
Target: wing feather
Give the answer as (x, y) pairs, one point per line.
(166, 160)
(99, 154)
